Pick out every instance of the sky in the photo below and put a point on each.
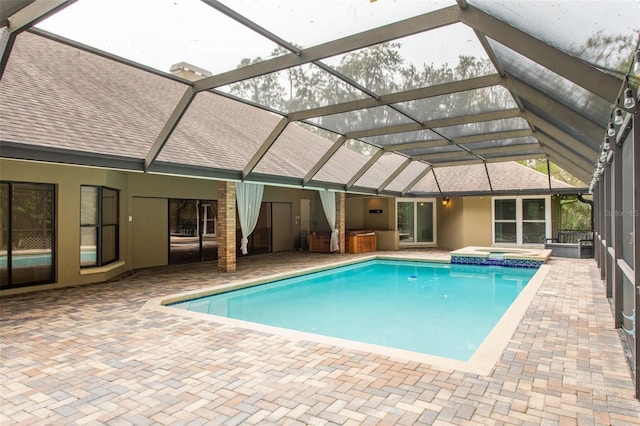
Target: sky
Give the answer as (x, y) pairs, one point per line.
(159, 33)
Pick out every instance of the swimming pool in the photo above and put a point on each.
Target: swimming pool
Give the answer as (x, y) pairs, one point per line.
(445, 310)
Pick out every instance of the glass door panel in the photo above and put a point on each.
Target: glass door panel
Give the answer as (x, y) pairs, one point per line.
(192, 231)
(5, 218)
(29, 235)
(424, 221)
(405, 221)
(209, 229)
(416, 221)
(184, 242)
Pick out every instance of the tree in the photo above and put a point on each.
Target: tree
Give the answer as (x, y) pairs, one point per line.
(609, 51)
(263, 90)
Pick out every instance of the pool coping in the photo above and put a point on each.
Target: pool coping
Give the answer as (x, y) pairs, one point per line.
(481, 362)
(537, 254)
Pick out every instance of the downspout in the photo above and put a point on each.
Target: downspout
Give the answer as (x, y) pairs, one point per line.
(590, 202)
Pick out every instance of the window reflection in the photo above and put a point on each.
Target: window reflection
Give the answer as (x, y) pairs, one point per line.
(26, 234)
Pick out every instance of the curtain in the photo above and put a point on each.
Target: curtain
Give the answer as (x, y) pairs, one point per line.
(248, 198)
(328, 200)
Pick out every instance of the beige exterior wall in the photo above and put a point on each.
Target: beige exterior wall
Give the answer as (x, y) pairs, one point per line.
(449, 223)
(465, 221)
(380, 221)
(149, 232)
(477, 222)
(282, 227)
(67, 181)
(354, 213)
(143, 217)
(358, 216)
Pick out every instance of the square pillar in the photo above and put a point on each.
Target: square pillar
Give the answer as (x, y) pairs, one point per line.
(340, 220)
(226, 226)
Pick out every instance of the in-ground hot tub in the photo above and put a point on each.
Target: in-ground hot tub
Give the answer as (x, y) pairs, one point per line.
(499, 256)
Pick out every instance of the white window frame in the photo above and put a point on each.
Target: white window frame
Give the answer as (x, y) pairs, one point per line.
(519, 220)
(434, 243)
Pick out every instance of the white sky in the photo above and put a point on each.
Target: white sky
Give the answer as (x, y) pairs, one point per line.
(159, 33)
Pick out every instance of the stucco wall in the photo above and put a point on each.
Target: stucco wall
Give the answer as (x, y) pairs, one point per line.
(143, 200)
(354, 208)
(149, 232)
(449, 223)
(358, 214)
(143, 209)
(477, 222)
(67, 181)
(465, 221)
(379, 221)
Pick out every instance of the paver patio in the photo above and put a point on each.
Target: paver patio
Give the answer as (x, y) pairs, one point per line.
(92, 355)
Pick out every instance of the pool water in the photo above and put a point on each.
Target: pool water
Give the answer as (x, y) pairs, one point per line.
(438, 309)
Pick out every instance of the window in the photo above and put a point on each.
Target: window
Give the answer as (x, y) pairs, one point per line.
(521, 220)
(505, 221)
(99, 226)
(415, 221)
(27, 249)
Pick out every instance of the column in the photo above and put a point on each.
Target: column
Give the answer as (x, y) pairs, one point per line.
(226, 226)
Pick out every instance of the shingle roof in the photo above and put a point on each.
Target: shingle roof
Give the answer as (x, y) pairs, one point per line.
(60, 96)
(497, 177)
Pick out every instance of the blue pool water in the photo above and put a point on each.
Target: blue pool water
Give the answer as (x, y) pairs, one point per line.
(438, 309)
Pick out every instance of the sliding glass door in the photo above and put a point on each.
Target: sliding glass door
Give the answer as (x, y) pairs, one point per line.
(192, 231)
(27, 252)
(415, 221)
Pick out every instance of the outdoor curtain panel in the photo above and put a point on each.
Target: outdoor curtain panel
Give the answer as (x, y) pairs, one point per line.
(329, 205)
(249, 198)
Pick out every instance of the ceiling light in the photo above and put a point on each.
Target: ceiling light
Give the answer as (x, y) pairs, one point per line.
(612, 130)
(636, 64)
(618, 119)
(606, 145)
(628, 98)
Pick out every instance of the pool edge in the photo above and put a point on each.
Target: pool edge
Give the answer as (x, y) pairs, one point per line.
(481, 362)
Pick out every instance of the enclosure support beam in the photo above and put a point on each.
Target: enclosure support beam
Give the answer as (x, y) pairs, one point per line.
(169, 127)
(322, 161)
(394, 175)
(602, 84)
(364, 168)
(266, 145)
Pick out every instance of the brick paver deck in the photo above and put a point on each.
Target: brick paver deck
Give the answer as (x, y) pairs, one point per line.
(92, 355)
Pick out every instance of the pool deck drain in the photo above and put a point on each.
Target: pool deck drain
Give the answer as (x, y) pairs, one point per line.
(92, 355)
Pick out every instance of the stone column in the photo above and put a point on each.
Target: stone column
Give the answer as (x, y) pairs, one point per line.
(340, 219)
(226, 226)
